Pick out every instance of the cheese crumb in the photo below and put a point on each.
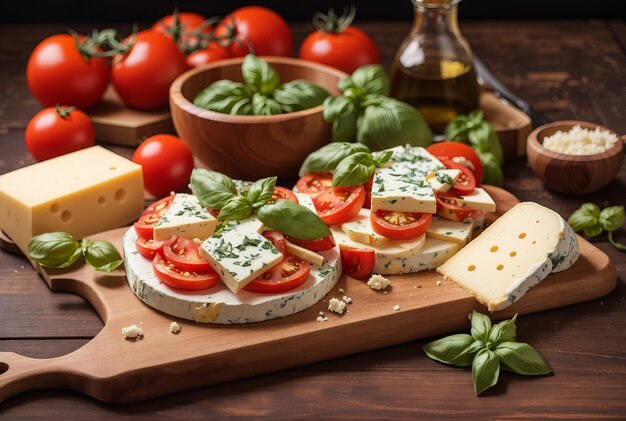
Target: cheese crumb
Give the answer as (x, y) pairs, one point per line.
(347, 300)
(132, 332)
(336, 306)
(396, 307)
(341, 291)
(439, 283)
(321, 313)
(321, 318)
(174, 328)
(378, 282)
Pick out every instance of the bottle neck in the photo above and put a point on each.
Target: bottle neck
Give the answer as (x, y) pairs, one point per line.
(436, 17)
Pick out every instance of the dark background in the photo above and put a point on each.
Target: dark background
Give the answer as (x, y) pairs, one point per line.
(72, 11)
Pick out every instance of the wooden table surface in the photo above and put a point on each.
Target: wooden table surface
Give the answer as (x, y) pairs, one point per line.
(567, 70)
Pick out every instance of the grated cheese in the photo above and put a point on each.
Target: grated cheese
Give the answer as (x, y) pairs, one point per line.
(580, 141)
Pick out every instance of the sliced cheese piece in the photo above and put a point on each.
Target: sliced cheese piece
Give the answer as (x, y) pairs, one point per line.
(360, 229)
(433, 254)
(306, 201)
(513, 254)
(453, 231)
(306, 254)
(252, 224)
(393, 249)
(479, 200)
(239, 256)
(81, 193)
(442, 180)
(187, 218)
(417, 158)
(402, 191)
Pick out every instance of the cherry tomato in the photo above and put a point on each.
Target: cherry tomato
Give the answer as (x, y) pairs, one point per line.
(314, 183)
(258, 30)
(339, 204)
(148, 248)
(466, 183)
(59, 73)
(142, 77)
(447, 208)
(284, 193)
(317, 244)
(357, 263)
(56, 131)
(290, 273)
(207, 55)
(338, 44)
(449, 150)
(167, 164)
(180, 25)
(278, 239)
(400, 225)
(182, 279)
(184, 254)
(150, 216)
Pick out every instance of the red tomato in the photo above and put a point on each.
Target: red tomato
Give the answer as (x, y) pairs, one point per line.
(284, 193)
(257, 30)
(180, 25)
(447, 208)
(278, 239)
(207, 55)
(450, 149)
(148, 248)
(314, 183)
(400, 225)
(58, 73)
(339, 204)
(290, 273)
(142, 77)
(167, 164)
(182, 279)
(357, 263)
(317, 244)
(184, 254)
(56, 131)
(150, 216)
(466, 183)
(338, 44)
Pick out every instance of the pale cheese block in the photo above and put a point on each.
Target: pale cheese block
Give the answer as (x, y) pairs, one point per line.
(513, 254)
(433, 254)
(360, 229)
(306, 254)
(415, 157)
(453, 231)
(393, 249)
(252, 224)
(403, 191)
(479, 200)
(218, 304)
(442, 180)
(81, 193)
(306, 201)
(187, 218)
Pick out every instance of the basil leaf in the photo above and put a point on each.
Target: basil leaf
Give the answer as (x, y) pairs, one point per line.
(292, 219)
(200, 175)
(522, 358)
(381, 158)
(261, 191)
(354, 170)
(223, 96)
(370, 79)
(492, 172)
(242, 107)
(580, 220)
(212, 189)
(102, 255)
(344, 115)
(236, 209)
(336, 107)
(328, 157)
(590, 209)
(451, 350)
(619, 246)
(485, 370)
(299, 95)
(264, 105)
(259, 75)
(457, 129)
(481, 326)
(593, 231)
(504, 331)
(54, 249)
(612, 218)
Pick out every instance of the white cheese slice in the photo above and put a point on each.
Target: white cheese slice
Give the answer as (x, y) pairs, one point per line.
(433, 254)
(306, 254)
(306, 201)
(186, 218)
(360, 229)
(446, 230)
(417, 158)
(442, 180)
(513, 254)
(479, 200)
(402, 190)
(251, 224)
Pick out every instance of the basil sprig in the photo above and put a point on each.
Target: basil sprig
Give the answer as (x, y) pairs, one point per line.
(487, 350)
(475, 131)
(593, 221)
(358, 168)
(212, 189)
(328, 157)
(60, 250)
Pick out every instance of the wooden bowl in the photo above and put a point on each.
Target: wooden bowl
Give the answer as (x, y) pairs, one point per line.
(251, 147)
(573, 174)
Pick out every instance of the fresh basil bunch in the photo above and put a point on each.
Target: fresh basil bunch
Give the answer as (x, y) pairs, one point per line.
(593, 221)
(60, 250)
(367, 114)
(358, 168)
(261, 92)
(487, 350)
(329, 156)
(475, 131)
(217, 191)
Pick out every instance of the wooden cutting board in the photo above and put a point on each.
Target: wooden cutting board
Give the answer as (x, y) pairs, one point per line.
(112, 369)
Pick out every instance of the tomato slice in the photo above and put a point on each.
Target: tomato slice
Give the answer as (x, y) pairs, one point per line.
(150, 216)
(339, 204)
(284, 193)
(278, 239)
(447, 208)
(400, 225)
(317, 244)
(148, 248)
(466, 183)
(357, 263)
(290, 273)
(314, 183)
(184, 254)
(450, 149)
(182, 279)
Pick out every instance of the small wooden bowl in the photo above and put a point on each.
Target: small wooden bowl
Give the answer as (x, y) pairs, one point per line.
(251, 147)
(573, 174)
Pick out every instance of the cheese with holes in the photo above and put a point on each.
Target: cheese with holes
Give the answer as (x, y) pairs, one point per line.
(513, 254)
(453, 231)
(478, 200)
(360, 229)
(187, 218)
(82, 193)
(402, 190)
(442, 180)
(303, 253)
